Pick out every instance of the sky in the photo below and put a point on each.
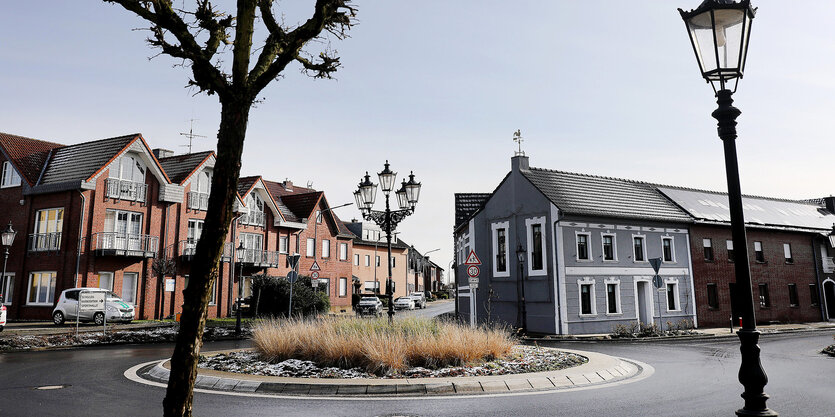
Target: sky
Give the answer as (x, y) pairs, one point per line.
(438, 87)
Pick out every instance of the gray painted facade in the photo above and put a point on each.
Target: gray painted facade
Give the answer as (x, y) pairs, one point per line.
(563, 292)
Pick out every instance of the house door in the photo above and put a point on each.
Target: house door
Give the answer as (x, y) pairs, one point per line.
(644, 306)
(829, 297)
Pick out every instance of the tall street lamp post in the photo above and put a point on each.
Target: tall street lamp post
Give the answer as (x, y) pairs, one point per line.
(407, 198)
(7, 237)
(719, 32)
(240, 251)
(520, 254)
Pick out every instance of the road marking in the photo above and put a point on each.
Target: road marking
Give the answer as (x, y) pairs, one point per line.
(644, 372)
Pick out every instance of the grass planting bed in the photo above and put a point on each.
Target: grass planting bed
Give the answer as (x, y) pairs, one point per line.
(363, 348)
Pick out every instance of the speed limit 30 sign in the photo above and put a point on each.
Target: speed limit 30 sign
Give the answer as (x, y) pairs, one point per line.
(473, 271)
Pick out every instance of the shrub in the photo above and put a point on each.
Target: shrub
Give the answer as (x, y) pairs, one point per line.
(377, 346)
(271, 296)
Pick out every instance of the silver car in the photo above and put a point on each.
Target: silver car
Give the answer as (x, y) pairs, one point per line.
(404, 303)
(67, 308)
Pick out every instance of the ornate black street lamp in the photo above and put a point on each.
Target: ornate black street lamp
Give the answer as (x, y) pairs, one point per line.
(719, 31)
(6, 238)
(240, 254)
(520, 254)
(407, 198)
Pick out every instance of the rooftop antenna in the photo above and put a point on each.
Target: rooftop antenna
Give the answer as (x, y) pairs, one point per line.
(310, 184)
(517, 137)
(190, 135)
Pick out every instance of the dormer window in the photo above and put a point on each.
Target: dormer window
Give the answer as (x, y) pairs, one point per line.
(198, 197)
(255, 216)
(127, 179)
(10, 176)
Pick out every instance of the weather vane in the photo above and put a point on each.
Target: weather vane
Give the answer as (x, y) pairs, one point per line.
(190, 135)
(517, 137)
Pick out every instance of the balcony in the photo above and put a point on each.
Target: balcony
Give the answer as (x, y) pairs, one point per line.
(254, 219)
(198, 201)
(124, 244)
(45, 242)
(187, 248)
(258, 258)
(828, 265)
(125, 190)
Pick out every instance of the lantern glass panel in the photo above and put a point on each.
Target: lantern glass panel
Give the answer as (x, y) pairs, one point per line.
(402, 199)
(720, 39)
(369, 194)
(358, 199)
(832, 240)
(387, 180)
(413, 193)
(8, 236)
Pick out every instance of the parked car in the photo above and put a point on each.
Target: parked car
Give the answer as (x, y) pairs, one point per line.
(420, 299)
(370, 306)
(117, 310)
(2, 316)
(404, 303)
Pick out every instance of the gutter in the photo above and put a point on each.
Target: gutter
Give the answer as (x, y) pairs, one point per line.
(80, 238)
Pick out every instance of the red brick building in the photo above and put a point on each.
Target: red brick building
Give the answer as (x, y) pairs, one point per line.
(113, 213)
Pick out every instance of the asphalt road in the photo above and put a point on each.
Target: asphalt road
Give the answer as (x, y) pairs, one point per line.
(432, 309)
(691, 379)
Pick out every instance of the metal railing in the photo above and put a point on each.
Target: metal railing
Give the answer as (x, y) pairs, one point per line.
(198, 201)
(44, 242)
(125, 190)
(187, 249)
(828, 265)
(254, 219)
(115, 241)
(258, 257)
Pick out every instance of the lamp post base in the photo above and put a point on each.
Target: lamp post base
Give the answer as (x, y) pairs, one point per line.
(752, 376)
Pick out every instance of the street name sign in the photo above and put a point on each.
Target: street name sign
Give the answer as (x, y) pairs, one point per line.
(91, 301)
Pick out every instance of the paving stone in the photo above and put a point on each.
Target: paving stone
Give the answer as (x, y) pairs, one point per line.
(247, 386)
(615, 371)
(203, 381)
(382, 389)
(578, 379)
(440, 388)
(300, 389)
(593, 377)
(271, 387)
(352, 389)
(411, 389)
(518, 384)
(323, 389)
(226, 384)
(467, 387)
(494, 386)
(560, 381)
(540, 383)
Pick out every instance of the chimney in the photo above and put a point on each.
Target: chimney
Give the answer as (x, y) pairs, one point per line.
(829, 202)
(519, 162)
(287, 184)
(162, 153)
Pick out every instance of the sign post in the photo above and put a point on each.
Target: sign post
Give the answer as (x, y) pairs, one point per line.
(292, 276)
(657, 282)
(473, 272)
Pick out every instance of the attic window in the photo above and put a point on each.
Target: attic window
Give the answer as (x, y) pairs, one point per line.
(10, 176)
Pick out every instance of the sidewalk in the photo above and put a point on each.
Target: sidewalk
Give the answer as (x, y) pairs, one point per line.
(47, 328)
(599, 370)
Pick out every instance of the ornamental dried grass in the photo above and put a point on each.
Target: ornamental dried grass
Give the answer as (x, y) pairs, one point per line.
(377, 346)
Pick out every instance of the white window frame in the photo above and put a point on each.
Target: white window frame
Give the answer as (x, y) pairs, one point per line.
(618, 306)
(10, 176)
(50, 296)
(494, 228)
(343, 287)
(356, 259)
(393, 262)
(729, 245)
(377, 261)
(326, 248)
(592, 297)
(283, 244)
(110, 276)
(672, 249)
(135, 285)
(543, 242)
(343, 251)
(643, 248)
(367, 260)
(47, 227)
(708, 243)
(676, 294)
(588, 246)
(614, 246)
(7, 287)
(310, 248)
(213, 293)
(787, 253)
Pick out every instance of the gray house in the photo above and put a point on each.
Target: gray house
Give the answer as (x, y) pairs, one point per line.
(576, 249)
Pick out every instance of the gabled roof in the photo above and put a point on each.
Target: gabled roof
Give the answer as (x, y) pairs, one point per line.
(277, 190)
(247, 184)
(592, 195)
(181, 167)
(81, 161)
(27, 155)
(302, 204)
(343, 230)
(466, 204)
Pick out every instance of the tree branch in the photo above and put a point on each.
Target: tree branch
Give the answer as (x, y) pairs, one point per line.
(321, 69)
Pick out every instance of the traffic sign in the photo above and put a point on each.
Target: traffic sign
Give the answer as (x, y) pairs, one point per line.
(314, 282)
(292, 276)
(293, 260)
(315, 267)
(472, 258)
(91, 301)
(473, 283)
(656, 264)
(473, 271)
(314, 275)
(657, 281)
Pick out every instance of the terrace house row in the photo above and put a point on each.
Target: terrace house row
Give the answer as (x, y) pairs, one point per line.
(114, 214)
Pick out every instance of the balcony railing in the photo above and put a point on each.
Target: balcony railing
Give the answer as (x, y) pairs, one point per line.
(261, 258)
(125, 244)
(198, 201)
(254, 219)
(125, 190)
(187, 248)
(45, 242)
(828, 265)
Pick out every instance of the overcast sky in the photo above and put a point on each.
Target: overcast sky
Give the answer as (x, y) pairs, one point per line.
(600, 87)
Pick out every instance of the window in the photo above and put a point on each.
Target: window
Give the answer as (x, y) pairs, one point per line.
(324, 286)
(587, 301)
(612, 296)
(10, 176)
(608, 247)
(255, 216)
(127, 179)
(48, 226)
(793, 295)
(708, 245)
(730, 246)
(343, 251)
(283, 244)
(393, 262)
(372, 286)
(367, 260)
(667, 248)
(343, 287)
(765, 300)
(639, 249)
(672, 296)
(377, 260)
(195, 230)
(106, 280)
(787, 252)
(813, 294)
(129, 287)
(213, 293)
(357, 259)
(326, 248)
(583, 247)
(198, 197)
(712, 296)
(319, 216)
(536, 250)
(758, 252)
(41, 288)
(6, 288)
(536, 246)
(253, 245)
(311, 247)
(500, 249)
(122, 230)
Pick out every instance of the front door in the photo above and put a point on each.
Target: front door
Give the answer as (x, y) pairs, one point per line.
(829, 297)
(644, 312)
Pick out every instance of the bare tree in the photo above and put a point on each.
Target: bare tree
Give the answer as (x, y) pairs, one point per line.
(196, 36)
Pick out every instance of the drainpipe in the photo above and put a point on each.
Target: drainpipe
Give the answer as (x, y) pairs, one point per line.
(80, 239)
(818, 278)
(233, 256)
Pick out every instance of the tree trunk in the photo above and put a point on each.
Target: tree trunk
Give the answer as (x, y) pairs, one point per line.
(205, 265)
